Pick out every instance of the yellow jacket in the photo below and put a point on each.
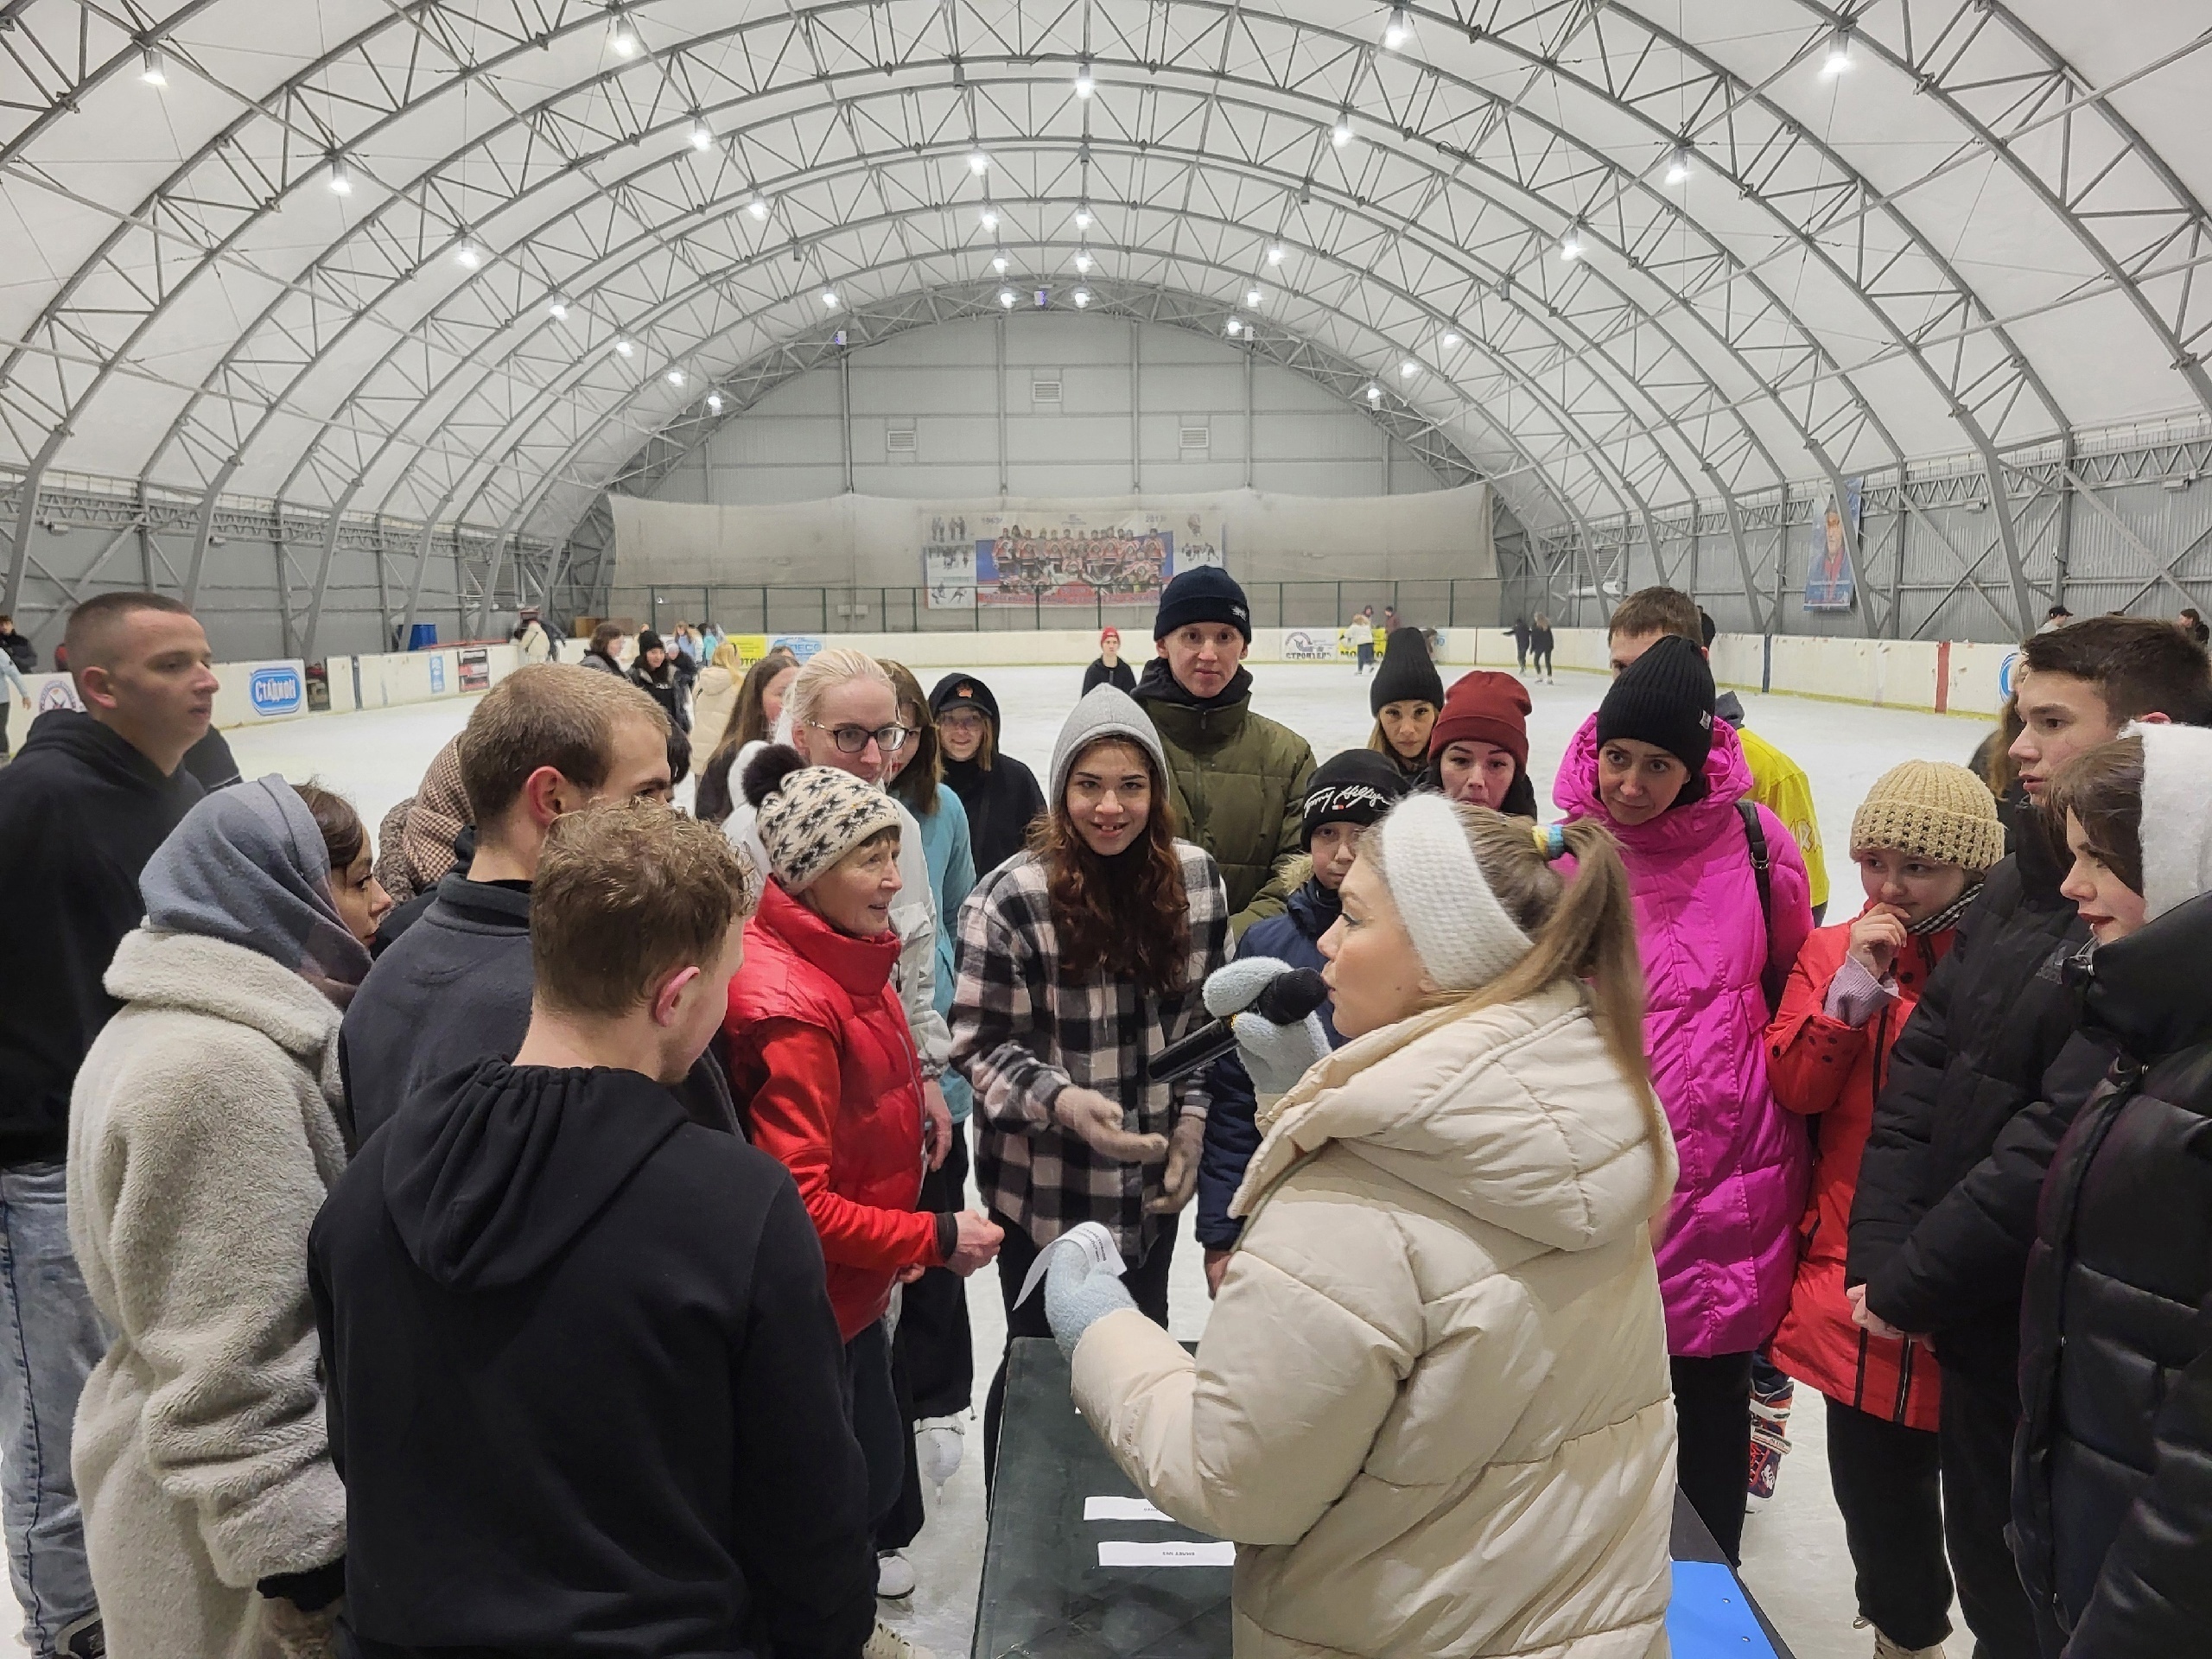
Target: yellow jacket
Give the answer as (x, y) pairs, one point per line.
(1779, 785)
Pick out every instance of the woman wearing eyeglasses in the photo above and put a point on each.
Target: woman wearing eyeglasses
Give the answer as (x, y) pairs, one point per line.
(842, 712)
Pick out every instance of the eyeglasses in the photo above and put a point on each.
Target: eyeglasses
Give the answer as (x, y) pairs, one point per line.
(851, 739)
(963, 719)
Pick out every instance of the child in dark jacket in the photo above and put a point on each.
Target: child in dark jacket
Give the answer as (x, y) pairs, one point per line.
(1352, 791)
(1922, 839)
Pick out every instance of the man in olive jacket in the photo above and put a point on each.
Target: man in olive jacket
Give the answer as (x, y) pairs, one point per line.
(1236, 779)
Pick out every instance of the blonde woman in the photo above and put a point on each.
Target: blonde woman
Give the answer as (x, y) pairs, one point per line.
(1432, 1406)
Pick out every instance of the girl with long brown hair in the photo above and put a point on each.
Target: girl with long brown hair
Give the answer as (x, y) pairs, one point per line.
(1078, 961)
(759, 705)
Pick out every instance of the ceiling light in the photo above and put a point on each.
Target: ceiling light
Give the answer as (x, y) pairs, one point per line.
(675, 376)
(154, 74)
(340, 181)
(1234, 327)
(1340, 134)
(621, 38)
(703, 136)
(998, 264)
(1678, 165)
(838, 339)
(1398, 30)
(758, 207)
(1276, 252)
(989, 218)
(557, 306)
(1085, 84)
(1374, 392)
(1005, 298)
(1083, 216)
(1252, 298)
(1450, 342)
(1082, 297)
(714, 403)
(1570, 246)
(829, 298)
(1407, 370)
(1838, 57)
(468, 256)
(1084, 262)
(978, 163)
(625, 347)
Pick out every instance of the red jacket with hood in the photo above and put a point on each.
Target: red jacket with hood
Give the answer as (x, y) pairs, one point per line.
(1821, 1066)
(824, 1071)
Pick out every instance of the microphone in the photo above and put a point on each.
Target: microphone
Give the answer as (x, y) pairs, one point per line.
(1287, 999)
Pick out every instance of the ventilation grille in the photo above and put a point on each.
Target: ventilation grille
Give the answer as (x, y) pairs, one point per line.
(1197, 437)
(1044, 391)
(898, 440)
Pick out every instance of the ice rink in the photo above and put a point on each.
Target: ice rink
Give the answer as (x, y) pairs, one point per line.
(1795, 1561)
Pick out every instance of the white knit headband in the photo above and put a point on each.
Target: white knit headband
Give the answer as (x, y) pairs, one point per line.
(1461, 934)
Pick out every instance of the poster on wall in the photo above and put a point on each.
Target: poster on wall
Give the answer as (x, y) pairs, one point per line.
(1830, 583)
(1038, 556)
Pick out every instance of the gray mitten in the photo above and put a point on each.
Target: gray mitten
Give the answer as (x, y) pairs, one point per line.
(1235, 986)
(1276, 1056)
(1078, 1293)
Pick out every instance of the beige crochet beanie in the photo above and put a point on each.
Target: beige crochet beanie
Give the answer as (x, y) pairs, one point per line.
(1939, 811)
(810, 817)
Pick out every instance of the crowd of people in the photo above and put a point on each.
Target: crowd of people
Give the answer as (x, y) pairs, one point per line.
(543, 1229)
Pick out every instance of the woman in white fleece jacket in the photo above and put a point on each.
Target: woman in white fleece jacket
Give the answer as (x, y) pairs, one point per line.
(202, 1140)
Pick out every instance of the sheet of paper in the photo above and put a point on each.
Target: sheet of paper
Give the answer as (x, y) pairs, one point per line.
(1089, 1239)
(1121, 1509)
(1124, 1555)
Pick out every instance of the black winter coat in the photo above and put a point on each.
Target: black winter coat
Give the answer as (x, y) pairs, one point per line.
(2112, 1491)
(20, 653)
(1995, 1017)
(666, 689)
(80, 813)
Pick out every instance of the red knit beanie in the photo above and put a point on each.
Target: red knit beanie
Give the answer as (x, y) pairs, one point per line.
(1487, 707)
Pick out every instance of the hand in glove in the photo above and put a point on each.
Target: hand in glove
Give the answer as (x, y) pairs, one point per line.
(1078, 1293)
(1097, 1123)
(1235, 986)
(1180, 1178)
(1276, 1056)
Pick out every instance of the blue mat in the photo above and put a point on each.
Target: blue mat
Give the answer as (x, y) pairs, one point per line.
(1709, 1617)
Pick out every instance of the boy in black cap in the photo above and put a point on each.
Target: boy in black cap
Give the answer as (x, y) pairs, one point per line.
(1404, 698)
(1000, 793)
(1235, 778)
(1352, 791)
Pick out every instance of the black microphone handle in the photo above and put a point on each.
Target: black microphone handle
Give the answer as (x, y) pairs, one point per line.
(1188, 1053)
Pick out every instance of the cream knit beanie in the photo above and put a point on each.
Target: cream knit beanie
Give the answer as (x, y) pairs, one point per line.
(2176, 831)
(1941, 812)
(810, 817)
(1462, 934)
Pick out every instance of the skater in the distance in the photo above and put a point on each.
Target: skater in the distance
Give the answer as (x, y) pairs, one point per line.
(1540, 646)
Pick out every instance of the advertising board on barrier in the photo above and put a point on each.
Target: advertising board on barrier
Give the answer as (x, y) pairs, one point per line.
(475, 664)
(277, 689)
(437, 662)
(1304, 645)
(59, 692)
(801, 645)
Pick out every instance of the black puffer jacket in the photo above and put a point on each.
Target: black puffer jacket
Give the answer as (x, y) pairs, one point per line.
(1974, 1054)
(2112, 1489)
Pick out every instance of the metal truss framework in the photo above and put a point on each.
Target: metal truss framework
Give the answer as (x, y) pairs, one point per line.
(687, 202)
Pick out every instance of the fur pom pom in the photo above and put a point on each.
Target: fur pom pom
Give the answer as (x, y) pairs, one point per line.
(766, 772)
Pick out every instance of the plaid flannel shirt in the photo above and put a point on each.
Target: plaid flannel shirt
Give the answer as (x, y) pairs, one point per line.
(1024, 1028)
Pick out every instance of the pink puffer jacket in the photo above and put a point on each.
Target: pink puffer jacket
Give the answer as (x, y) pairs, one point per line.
(1730, 1245)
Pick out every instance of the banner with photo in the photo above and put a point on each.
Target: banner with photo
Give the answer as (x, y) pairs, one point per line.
(1001, 555)
(1830, 583)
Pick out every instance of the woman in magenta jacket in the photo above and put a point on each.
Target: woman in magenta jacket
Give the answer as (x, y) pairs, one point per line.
(1667, 778)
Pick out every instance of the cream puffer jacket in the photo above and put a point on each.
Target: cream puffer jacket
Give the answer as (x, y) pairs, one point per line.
(1432, 1406)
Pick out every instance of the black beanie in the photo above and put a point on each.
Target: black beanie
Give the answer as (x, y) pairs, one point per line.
(964, 689)
(1357, 787)
(1407, 674)
(1664, 697)
(1205, 593)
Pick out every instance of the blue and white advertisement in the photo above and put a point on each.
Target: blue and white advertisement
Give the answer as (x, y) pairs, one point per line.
(1830, 581)
(276, 690)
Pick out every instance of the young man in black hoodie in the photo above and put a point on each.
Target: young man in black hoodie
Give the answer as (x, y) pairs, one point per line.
(1982, 1082)
(455, 987)
(585, 1384)
(86, 802)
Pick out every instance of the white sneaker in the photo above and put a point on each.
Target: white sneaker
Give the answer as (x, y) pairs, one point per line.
(894, 1576)
(1885, 1649)
(939, 1442)
(887, 1643)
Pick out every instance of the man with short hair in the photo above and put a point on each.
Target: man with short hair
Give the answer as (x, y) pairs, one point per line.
(1778, 782)
(1236, 779)
(1983, 1082)
(585, 1382)
(454, 987)
(82, 809)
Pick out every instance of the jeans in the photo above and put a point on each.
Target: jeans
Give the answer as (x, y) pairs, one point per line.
(1888, 1489)
(1712, 1403)
(53, 1339)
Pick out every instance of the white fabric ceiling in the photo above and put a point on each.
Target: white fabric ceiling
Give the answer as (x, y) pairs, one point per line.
(1980, 236)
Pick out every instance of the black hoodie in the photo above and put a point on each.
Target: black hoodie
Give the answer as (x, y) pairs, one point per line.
(80, 812)
(1002, 800)
(585, 1385)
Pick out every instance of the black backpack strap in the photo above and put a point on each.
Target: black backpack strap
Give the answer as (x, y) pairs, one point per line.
(1762, 872)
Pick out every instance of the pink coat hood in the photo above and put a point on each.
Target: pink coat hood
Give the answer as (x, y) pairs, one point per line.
(1730, 1249)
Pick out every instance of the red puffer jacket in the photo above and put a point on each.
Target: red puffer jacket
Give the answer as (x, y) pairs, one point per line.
(823, 1068)
(1820, 1066)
